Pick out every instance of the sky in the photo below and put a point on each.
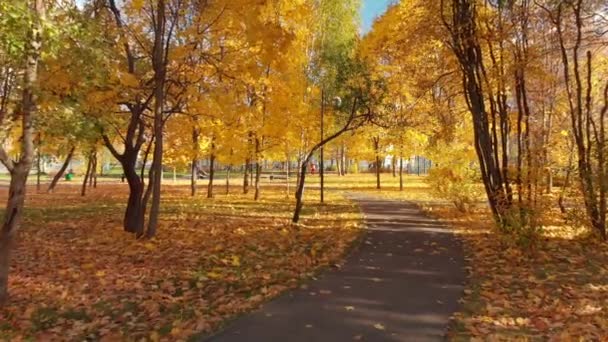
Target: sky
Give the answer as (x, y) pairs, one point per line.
(372, 9)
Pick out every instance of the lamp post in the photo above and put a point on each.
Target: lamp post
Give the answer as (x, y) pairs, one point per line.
(337, 102)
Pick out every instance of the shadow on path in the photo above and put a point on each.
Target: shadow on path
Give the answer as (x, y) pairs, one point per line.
(402, 284)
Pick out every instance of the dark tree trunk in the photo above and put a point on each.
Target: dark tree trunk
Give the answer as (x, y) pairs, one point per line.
(300, 190)
(351, 124)
(61, 171)
(246, 177)
(258, 169)
(258, 175)
(87, 173)
(401, 173)
(159, 62)
(12, 222)
(38, 163)
(194, 170)
(376, 141)
(228, 179)
(287, 175)
(134, 215)
(193, 178)
(211, 171)
(92, 172)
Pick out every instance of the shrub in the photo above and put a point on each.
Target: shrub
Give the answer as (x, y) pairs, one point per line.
(457, 184)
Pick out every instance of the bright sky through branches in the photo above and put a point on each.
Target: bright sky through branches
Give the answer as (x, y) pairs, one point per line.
(371, 10)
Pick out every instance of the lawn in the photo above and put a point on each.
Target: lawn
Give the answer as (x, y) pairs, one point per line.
(76, 275)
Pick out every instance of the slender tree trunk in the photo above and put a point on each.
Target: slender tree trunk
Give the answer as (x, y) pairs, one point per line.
(376, 141)
(251, 174)
(87, 173)
(394, 165)
(93, 166)
(19, 171)
(401, 173)
(300, 190)
(378, 172)
(12, 222)
(549, 185)
(95, 162)
(344, 160)
(159, 64)
(195, 146)
(193, 178)
(228, 179)
(211, 171)
(338, 164)
(287, 174)
(246, 177)
(61, 171)
(38, 162)
(258, 169)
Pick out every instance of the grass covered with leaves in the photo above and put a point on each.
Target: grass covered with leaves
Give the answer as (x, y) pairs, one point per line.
(76, 275)
(556, 288)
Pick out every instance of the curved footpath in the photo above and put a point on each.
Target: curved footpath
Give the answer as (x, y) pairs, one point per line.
(402, 284)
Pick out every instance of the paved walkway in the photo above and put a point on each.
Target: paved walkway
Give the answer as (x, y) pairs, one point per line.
(402, 284)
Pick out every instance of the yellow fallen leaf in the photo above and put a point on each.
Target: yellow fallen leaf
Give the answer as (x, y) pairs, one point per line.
(213, 275)
(236, 262)
(379, 326)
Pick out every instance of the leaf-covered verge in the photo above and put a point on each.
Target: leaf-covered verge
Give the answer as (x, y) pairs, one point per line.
(77, 276)
(553, 289)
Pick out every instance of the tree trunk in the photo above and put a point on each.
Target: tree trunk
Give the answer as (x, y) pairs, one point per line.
(258, 169)
(344, 161)
(19, 171)
(300, 190)
(228, 179)
(376, 141)
(258, 176)
(83, 191)
(134, 218)
(549, 184)
(94, 174)
(337, 159)
(12, 222)
(61, 171)
(378, 172)
(287, 171)
(38, 163)
(211, 171)
(251, 174)
(394, 165)
(195, 146)
(401, 173)
(193, 178)
(93, 166)
(246, 177)
(159, 60)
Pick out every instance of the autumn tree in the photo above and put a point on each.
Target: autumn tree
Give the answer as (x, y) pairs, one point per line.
(21, 49)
